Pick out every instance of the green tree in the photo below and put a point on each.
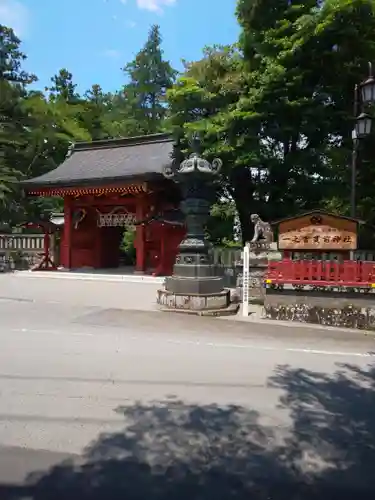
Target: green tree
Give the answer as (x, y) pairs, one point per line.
(278, 110)
(221, 223)
(119, 119)
(13, 120)
(35, 132)
(303, 60)
(281, 110)
(93, 117)
(150, 76)
(63, 87)
(200, 102)
(56, 124)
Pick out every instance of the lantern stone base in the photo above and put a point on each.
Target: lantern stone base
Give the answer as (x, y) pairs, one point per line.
(211, 304)
(196, 285)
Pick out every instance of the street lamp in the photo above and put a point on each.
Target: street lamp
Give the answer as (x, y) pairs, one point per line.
(364, 95)
(363, 125)
(368, 88)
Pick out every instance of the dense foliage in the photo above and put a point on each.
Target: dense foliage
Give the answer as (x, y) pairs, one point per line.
(276, 106)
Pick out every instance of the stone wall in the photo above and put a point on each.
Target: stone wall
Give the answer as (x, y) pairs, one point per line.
(340, 309)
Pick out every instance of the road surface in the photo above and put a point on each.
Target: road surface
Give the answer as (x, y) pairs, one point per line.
(103, 400)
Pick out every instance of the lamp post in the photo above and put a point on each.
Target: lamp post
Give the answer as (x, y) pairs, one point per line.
(364, 96)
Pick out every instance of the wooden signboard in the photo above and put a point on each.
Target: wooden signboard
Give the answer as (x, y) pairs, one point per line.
(318, 232)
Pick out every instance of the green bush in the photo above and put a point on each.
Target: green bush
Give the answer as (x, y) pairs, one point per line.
(127, 247)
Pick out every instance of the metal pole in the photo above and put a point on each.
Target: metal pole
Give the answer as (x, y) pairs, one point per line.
(354, 179)
(354, 158)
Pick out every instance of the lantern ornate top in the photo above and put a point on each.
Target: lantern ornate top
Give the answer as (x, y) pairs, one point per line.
(194, 164)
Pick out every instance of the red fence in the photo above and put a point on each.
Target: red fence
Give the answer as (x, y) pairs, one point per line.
(349, 273)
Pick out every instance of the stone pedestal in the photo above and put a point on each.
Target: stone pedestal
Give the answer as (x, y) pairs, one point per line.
(259, 258)
(193, 272)
(194, 287)
(216, 304)
(198, 285)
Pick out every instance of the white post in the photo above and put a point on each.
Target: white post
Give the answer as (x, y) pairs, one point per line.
(245, 281)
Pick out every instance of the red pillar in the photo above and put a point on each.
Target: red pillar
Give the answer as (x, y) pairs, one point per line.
(66, 245)
(140, 239)
(160, 269)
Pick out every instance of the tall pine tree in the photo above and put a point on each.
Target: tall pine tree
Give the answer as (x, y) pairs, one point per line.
(14, 120)
(150, 76)
(63, 87)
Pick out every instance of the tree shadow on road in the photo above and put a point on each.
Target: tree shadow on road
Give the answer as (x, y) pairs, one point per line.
(333, 422)
(172, 450)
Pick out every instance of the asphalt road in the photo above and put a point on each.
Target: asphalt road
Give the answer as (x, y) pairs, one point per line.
(101, 400)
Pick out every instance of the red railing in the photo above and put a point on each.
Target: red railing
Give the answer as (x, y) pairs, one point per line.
(349, 273)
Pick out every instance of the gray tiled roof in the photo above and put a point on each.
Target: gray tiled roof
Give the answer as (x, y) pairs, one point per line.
(110, 161)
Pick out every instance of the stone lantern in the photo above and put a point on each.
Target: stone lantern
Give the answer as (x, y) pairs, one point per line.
(195, 286)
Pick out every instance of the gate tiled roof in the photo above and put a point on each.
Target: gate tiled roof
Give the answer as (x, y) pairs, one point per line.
(109, 161)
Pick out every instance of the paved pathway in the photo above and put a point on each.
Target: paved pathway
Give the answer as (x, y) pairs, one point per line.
(116, 294)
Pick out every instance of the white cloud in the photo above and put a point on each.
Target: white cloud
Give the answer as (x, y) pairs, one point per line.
(130, 24)
(111, 53)
(15, 15)
(154, 5)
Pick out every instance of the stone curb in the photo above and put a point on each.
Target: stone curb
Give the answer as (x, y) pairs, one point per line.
(91, 277)
(256, 318)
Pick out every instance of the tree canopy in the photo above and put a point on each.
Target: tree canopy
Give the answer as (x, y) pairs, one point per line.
(276, 106)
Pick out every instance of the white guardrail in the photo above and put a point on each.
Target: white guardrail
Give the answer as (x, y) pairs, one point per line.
(23, 243)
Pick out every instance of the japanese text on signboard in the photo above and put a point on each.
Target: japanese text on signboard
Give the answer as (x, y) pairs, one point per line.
(317, 237)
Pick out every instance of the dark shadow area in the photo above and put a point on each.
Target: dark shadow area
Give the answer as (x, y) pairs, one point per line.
(333, 423)
(172, 450)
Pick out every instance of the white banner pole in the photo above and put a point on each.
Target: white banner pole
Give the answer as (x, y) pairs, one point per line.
(245, 281)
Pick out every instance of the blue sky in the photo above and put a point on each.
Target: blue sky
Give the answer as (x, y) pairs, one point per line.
(93, 39)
